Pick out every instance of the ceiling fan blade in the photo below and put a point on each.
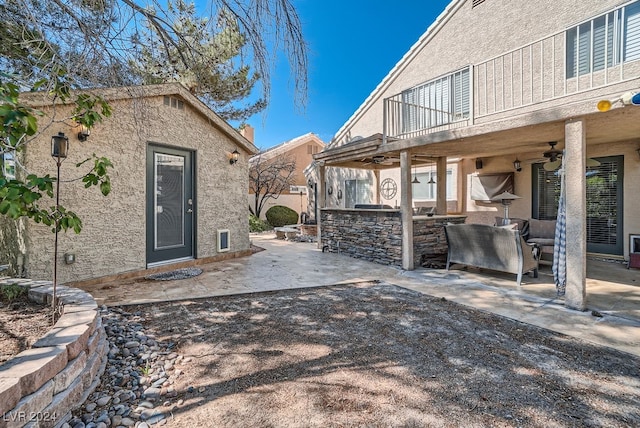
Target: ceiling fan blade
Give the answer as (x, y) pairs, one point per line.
(552, 166)
(592, 162)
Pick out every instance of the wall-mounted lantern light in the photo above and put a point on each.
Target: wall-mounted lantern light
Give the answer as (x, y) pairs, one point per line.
(84, 133)
(517, 165)
(479, 163)
(235, 155)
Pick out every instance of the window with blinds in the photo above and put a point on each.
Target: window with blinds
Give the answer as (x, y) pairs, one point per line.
(604, 202)
(357, 192)
(546, 193)
(604, 41)
(437, 102)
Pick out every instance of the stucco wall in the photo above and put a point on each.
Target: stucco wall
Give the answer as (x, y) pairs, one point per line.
(113, 236)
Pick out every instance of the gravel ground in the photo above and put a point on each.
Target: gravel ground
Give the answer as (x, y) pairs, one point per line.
(372, 354)
(366, 354)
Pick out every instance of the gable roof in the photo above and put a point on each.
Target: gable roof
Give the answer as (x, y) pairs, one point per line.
(406, 59)
(290, 145)
(42, 99)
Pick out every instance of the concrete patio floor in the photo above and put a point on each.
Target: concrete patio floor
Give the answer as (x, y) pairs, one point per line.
(613, 291)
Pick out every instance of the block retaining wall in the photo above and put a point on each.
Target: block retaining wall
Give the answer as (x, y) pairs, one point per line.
(40, 386)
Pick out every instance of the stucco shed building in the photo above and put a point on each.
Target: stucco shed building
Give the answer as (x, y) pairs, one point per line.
(177, 197)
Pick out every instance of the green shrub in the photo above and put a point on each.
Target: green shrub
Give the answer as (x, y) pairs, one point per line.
(279, 216)
(11, 291)
(257, 225)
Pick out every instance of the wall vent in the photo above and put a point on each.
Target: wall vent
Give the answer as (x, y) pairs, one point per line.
(475, 3)
(223, 240)
(173, 102)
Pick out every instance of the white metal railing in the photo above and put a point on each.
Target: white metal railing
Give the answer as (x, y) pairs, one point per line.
(534, 73)
(408, 120)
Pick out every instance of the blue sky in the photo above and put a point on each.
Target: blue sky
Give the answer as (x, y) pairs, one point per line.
(353, 44)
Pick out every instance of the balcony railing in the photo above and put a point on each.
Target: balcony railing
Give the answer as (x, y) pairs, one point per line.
(529, 75)
(409, 120)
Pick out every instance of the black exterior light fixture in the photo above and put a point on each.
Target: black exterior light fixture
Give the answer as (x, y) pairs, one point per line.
(59, 147)
(59, 152)
(235, 155)
(84, 133)
(431, 180)
(517, 165)
(415, 175)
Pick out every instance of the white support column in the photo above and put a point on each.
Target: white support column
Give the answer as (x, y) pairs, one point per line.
(321, 200)
(441, 185)
(575, 183)
(406, 210)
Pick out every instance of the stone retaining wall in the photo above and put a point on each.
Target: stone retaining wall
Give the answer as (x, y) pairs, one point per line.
(40, 386)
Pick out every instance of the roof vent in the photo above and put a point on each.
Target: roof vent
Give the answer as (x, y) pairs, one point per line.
(476, 3)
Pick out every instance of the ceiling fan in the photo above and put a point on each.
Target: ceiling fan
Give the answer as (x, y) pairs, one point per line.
(554, 155)
(380, 160)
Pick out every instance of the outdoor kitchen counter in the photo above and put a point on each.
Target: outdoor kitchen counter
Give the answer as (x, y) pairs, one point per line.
(376, 234)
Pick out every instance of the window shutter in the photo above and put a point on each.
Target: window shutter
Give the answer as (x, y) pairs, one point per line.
(599, 43)
(632, 32)
(584, 48)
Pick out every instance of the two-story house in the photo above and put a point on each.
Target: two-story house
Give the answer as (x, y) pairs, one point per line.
(484, 92)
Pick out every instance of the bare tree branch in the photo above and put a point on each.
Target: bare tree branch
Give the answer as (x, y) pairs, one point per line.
(268, 178)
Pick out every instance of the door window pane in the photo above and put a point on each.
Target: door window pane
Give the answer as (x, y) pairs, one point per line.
(169, 197)
(604, 202)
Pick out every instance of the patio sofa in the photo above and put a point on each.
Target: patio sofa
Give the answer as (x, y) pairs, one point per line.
(497, 248)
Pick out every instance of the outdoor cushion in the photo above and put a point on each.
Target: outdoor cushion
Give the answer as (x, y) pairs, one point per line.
(545, 229)
(542, 233)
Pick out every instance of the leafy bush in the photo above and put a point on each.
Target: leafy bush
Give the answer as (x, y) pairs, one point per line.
(279, 216)
(257, 225)
(11, 291)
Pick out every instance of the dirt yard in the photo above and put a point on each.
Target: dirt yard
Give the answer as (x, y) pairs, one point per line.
(377, 355)
(22, 323)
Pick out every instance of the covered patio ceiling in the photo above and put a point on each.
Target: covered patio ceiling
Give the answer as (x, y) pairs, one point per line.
(529, 133)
